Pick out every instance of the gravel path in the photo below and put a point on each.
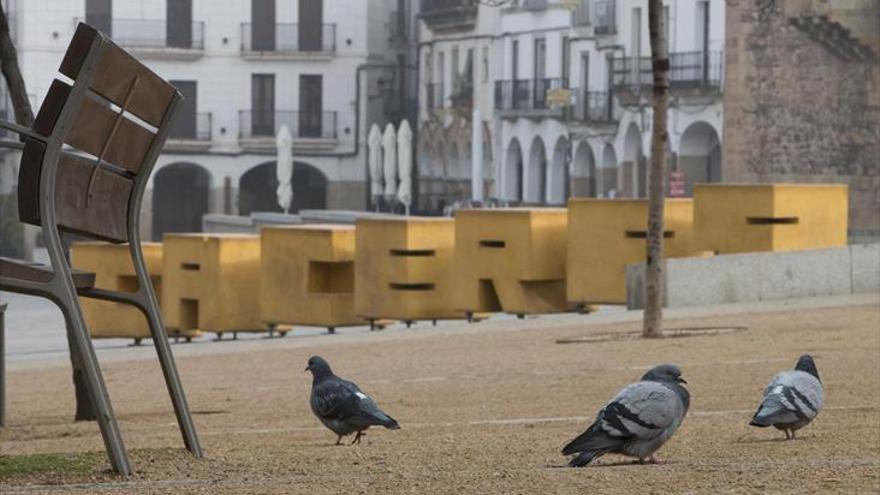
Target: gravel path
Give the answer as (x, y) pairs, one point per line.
(484, 409)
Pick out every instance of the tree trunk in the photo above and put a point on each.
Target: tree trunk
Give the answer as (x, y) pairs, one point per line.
(653, 320)
(24, 115)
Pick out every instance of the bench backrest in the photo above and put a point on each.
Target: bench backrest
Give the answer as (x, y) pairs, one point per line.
(116, 114)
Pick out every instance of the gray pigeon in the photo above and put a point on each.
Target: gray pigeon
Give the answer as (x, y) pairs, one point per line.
(637, 421)
(341, 405)
(792, 400)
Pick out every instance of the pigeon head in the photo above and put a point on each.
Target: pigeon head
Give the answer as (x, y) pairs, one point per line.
(806, 364)
(318, 367)
(664, 373)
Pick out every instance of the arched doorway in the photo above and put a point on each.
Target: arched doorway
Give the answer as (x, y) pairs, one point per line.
(584, 172)
(513, 172)
(633, 166)
(257, 189)
(180, 198)
(608, 173)
(699, 155)
(558, 177)
(536, 175)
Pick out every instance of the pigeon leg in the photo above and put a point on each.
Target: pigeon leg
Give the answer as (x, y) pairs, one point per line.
(787, 434)
(357, 438)
(793, 437)
(339, 440)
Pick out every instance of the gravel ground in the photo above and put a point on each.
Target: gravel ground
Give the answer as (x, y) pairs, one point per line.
(481, 412)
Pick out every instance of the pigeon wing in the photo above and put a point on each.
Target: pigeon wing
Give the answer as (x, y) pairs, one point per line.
(642, 410)
(791, 395)
(336, 399)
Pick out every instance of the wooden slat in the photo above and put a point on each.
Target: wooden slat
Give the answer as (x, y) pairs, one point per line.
(104, 217)
(91, 128)
(114, 75)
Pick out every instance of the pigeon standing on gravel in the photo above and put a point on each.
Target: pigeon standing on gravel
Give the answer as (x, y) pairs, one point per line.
(341, 405)
(792, 400)
(637, 421)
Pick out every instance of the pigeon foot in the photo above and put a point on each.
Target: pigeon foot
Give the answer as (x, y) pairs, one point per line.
(339, 440)
(654, 460)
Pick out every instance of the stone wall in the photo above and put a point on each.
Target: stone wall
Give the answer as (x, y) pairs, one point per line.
(796, 112)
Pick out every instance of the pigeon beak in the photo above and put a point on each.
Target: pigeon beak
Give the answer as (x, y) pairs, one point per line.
(307, 368)
(681, 380)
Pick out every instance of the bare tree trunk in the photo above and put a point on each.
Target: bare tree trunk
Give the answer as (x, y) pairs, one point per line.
(24, 115)
(653, 322)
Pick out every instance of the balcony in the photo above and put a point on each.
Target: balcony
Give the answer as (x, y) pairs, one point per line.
(695, 71)
(288, 42)
(534, 5)
(526, 98)
(190, 132)
(449, 15)
(155, 38)
(594, 107)
(310, 131)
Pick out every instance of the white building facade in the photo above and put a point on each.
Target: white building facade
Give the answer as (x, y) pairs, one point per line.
(571, 97)
(327, 69)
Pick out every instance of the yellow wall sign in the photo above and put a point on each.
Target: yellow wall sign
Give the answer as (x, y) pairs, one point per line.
(559, 97)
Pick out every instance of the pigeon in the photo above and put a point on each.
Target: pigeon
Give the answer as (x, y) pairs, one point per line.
(637, 421)
(341, 405)
(792, 400)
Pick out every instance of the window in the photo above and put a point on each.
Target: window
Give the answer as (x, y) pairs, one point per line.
(429, 65)
(184, 126)
(178, 29)
(263, 104)
(455, 67)
(485, 64)
(566, 61)
(310, 106)
(263, 25)
(540, 58)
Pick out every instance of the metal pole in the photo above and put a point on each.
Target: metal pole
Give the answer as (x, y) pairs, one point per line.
(2, 366)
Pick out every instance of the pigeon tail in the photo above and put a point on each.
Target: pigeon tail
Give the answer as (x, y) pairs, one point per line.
(593, 440)
(386, 420)
(769, 416)
(585, 458)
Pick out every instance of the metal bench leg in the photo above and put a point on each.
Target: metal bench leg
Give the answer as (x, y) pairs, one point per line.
(172, 379)
(68, 302)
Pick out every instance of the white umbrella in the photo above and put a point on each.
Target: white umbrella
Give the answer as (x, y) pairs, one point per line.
(374, 158)
(389, 147)
(284, 168)
(404, 164)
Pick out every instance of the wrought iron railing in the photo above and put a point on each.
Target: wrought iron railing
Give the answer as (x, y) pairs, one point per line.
(686, 69)
(594, 106)
(198, 129)
(254, 124)
(287, 39)
(429, 7)
(156, 34)
(526, 94)
(696, 69)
